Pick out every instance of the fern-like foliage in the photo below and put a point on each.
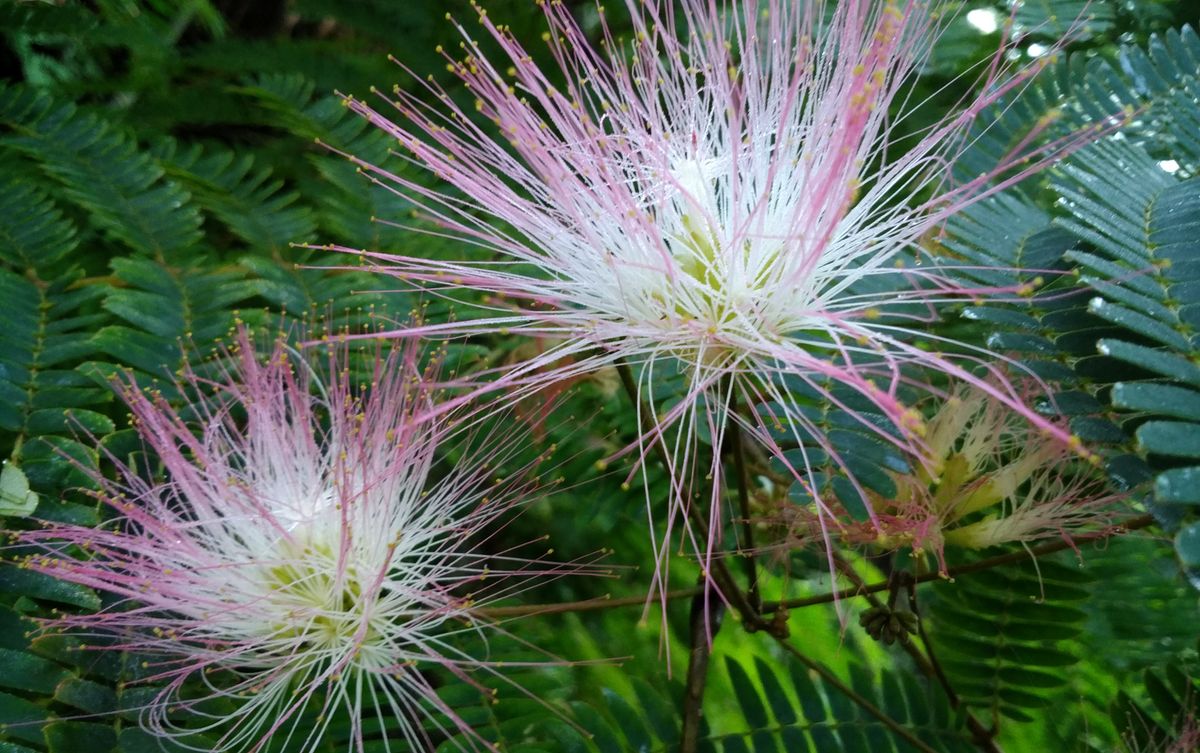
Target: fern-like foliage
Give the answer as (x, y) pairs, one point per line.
(1140, 216)
(34, 233)
(782, 706)
(1144, 269)
(249, 201)
(1005, 641)
(862, 453)
(44, 400)
(165, 309)
(1054, 18)
(1125, 334)
(85, 699)
(123, 191)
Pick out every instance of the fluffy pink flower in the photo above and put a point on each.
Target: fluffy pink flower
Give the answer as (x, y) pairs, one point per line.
(725, 196)
(301, 555)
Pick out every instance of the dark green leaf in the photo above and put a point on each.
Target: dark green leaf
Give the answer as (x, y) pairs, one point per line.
(35, 585)
(1174, 438)
(1180, 485)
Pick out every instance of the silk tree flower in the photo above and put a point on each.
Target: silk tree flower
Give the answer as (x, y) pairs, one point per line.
(727, 196)
(301, 558)
(994, 479)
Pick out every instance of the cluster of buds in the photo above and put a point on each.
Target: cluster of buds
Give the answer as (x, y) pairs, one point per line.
(889, 625)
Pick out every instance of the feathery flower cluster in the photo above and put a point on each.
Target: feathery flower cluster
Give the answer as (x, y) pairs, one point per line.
(994, 479)
(299, 558)
(722, 201)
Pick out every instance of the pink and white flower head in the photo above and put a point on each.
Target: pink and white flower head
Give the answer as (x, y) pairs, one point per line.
(724, 195)
(300, 556)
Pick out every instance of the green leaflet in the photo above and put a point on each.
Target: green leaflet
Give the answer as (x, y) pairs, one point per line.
(16, 500)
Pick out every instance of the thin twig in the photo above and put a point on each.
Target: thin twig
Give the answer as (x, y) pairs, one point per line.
(586, 605)
(704, 622)
(706, 612)
(737, 449)
(929, 666)
(983, 736)
(899, 729)
(1133, 524)
(934, 664)
(770, 607)
(707, 608)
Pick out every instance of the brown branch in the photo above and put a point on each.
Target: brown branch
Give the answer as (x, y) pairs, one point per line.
(929, 666)
(706, 611)
(752, 621)
(586, 605)
(983, 736)
(1132, 524)
(751, 611)
(604, 602)
(704, 622)
(738, 450)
